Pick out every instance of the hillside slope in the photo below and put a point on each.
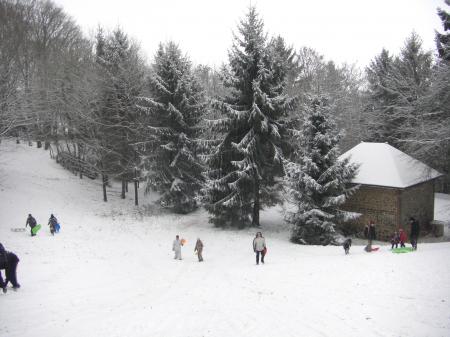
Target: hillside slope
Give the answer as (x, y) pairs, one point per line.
(110, 272)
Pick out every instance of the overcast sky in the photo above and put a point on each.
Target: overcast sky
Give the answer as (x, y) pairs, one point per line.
(352, 31)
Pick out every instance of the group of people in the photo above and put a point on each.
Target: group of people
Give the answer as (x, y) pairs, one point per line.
(259, 247)
(398, 238)
(52, 223)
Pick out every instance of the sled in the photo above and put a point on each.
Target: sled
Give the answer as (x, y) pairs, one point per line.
(57, 227)
(374, 249)
(36, 229)
(264, 252)
(402, 250)
(183, 242)
(17, 229)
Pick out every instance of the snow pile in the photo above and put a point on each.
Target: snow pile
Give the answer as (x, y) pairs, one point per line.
(384, 165)
(110, 272)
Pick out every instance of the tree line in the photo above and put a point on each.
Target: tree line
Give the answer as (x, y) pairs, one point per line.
(264, 129)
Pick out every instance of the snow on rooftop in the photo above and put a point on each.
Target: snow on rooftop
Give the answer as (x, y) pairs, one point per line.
(383, 165)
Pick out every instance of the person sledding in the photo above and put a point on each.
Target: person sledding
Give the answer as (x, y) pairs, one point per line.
(53, 224)
(8, 262)
(32, 223)
(259, 247)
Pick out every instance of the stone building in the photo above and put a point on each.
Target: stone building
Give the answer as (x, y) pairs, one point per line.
(393, 187)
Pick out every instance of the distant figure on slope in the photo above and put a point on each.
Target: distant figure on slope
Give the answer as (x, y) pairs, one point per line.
(371, 235)
(52, 222)
(259, 247)
(402, 237)
(347, 244)
(395, 240)
(199, 249)
(415, 231)
(32, 223)
(8, 262)
(176, 247)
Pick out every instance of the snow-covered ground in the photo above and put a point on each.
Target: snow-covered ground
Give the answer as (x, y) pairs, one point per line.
(110, 272)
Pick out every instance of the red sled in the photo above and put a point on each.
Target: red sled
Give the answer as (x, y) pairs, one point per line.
(264, 252)
(373, 249)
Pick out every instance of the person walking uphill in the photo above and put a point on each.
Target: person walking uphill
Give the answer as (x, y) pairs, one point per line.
(199, 249)
(176, 247)
(8, 262)
(415, 231)
(52, 222)
(32, 223)
(259, 247)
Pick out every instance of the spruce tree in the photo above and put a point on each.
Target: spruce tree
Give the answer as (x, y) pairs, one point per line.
(245, 168)
(120, 74)
(171, 148)
(317, 181)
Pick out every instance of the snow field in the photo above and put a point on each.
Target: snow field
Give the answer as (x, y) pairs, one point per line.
(110, 272)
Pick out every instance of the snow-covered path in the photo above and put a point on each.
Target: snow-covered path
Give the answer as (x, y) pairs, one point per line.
(110, 272)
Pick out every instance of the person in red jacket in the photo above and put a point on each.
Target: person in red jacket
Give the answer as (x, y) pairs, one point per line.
(402, 237)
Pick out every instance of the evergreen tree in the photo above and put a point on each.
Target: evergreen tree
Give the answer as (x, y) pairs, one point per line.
(382, 99)
(170, 154)
(120, 75)
(443, 39)
(317, 181)
(428, 138)
(396, 87)
(245, 168)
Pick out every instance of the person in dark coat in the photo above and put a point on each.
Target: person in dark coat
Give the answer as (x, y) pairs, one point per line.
(415, 231)
(8, 262)
(52, 223)
(371, 235)
(31, 222)
(347, 244)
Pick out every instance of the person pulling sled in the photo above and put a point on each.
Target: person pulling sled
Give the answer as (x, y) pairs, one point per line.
(53, 223)
(32, 223)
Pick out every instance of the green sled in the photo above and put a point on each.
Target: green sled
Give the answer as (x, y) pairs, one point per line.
(402, 250)
(36, 229)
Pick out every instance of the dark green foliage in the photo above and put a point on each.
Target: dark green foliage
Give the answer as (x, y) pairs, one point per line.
(170, 151)
(317, 181)
(246, 167)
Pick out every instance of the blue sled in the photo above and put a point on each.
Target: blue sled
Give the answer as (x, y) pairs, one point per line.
(57, 228)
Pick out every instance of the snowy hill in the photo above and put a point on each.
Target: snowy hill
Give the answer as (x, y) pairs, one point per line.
(110, 272)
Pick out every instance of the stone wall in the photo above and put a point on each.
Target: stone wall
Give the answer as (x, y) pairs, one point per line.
(418, 201)
(382, 205)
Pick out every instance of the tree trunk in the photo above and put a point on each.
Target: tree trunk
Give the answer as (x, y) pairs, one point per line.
(123, 189)
(46, 145)
(39, 144)
(105, 182)
(126, 186)
(256, 205)
(136, 186)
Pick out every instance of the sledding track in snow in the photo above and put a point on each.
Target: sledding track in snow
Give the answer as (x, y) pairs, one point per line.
(110, 272)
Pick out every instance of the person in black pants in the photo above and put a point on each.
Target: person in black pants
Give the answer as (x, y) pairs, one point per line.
(8, 262)
(415, 231)
(31, 222)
